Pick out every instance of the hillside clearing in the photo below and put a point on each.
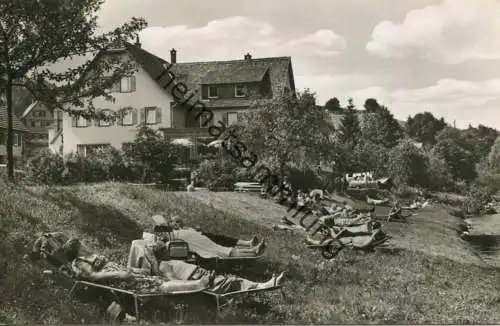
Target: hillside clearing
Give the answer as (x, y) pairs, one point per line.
(433, 279)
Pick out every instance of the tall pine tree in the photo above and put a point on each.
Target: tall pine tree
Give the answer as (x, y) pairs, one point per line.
(350, 130)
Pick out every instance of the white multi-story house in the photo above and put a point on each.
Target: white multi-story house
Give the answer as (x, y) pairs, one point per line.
(223, 86)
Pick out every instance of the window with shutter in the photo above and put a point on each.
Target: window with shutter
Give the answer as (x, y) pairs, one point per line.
(158, 115)
(142, 116)
(127, 117)
(134, 116)
(14, 140)
(132, 83)
(150, 113)
(225, 118)
(74, 121)
(127, 84)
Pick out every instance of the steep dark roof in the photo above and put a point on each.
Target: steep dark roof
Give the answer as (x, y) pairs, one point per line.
(17, 125)
(194, 74)
(229, 75)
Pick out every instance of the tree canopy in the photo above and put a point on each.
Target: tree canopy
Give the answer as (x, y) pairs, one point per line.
(37, 34)
(288, 130)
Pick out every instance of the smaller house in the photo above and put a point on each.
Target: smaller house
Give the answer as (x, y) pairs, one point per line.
(20, 132)
(38, 119)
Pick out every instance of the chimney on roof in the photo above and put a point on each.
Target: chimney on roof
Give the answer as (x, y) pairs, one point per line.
(248, 56)
(137, 42)
(173, 56)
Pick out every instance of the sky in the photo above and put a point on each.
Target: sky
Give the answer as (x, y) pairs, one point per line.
(411, 55)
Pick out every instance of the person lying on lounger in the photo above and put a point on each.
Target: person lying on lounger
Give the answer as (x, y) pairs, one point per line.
(338, 220)
(204, 247)
(177, 223)
(97, 268)
(359, 241)
(183, 271)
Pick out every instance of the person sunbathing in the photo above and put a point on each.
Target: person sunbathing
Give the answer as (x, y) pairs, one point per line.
(337, 219)
(97, 268)
(358, 241)
(204, 247)
(178, 223)
(183, 271)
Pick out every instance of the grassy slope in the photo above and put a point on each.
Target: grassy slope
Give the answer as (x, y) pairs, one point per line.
(439, 282)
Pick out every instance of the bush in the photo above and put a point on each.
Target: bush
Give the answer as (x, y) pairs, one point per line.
(477, 199)
(47, 168)
(218, 173)
(309, 179)
(152, 157)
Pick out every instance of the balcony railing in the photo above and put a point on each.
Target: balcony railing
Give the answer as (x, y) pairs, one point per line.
(185, 132)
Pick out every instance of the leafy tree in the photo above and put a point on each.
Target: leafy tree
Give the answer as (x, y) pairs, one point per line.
(153, 155)
(287, 130)
(479, 140)
(350, 129)
(371, 156)
(333, 105)
(438, 172)
(407, 164)
(381, 127)
(424, 127)
(371, 105)
(489, 168)
(36, 34)
(460, 161)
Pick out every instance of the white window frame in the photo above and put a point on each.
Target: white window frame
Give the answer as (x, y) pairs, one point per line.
(213, 87)
(84, 147)
(150, 110)
(239, 87)
(234, 122)
(127, 113)
(126, 84)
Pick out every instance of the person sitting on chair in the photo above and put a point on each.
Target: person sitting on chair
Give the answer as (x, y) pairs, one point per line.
(183, 271)
(395, 211)
(205, 247)
(97, 268)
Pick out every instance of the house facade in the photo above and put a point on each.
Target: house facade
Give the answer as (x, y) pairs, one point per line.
(226, 87)
(20, 132)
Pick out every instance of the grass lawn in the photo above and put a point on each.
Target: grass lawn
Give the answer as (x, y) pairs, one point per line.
(432, 278)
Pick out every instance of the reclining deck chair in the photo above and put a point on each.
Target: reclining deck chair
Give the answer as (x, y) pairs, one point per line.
(179, 249)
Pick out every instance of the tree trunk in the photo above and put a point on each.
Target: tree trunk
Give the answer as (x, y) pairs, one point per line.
(10, 154)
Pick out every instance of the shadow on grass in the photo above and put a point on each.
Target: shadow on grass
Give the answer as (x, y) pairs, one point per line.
(97, 220)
